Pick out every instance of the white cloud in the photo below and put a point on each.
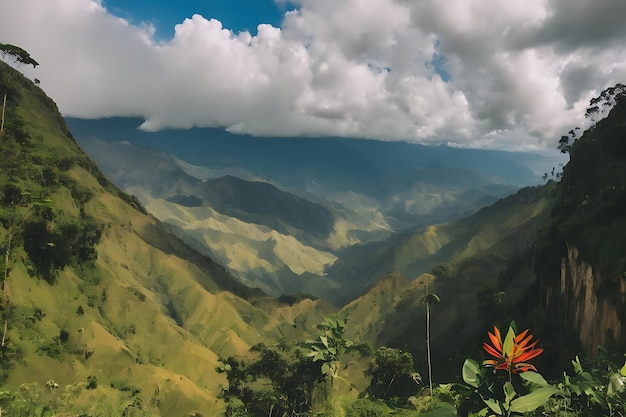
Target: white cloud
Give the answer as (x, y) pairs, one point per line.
(521, 72)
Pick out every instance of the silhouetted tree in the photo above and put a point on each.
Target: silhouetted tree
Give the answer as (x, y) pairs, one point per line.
(19, 56)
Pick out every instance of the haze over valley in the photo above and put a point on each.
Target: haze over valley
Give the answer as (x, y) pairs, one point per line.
(279, 213)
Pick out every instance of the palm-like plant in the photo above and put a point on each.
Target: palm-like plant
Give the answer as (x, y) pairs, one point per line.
(429, 299)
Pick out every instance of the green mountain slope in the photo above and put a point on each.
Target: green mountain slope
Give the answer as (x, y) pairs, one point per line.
(102, 298)
(482, 270)
(550, 258)
(500, 230)
(582, 254)
(266, 237)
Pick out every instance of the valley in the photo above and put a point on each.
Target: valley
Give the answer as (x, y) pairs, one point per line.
(142, 281)
(297, 208)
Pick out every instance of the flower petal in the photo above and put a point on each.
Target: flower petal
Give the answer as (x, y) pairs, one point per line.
(492, 351)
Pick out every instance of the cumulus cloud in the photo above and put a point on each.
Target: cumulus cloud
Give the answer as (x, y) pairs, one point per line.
(512, 74)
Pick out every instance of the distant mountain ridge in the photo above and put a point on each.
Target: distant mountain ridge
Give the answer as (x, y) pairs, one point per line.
(320, 195)
(268, 238)
(385, 172)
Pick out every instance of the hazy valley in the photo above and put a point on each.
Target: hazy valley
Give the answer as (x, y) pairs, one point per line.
(327, 198)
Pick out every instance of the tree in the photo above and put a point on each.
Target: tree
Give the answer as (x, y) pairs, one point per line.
(566, 141)
(19, 56)
(429, 299)
(392, 372)
(328, 348)
(601, 105)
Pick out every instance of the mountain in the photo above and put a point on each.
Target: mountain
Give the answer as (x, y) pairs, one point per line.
(550, 258)
(268, 238)
(479, 266)
(582, 254)
(279, 213)
(409, 184)
(100, 297)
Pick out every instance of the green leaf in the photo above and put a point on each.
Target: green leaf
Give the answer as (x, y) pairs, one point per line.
(325, 368)
(532, 401)
(509, 392)
(534, 378)
(623, 370)
(509, 340)
(471, 372)
(578, 368)
(494, 405)
(616, 384)
(324, 340)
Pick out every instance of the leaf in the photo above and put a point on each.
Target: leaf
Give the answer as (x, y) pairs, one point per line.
(616, 384)
(623, 370)
(324, 340)
(532, 401)
(494, 405)
(509, 341)
(577, 366)
(534, 377)
(509, 392)
(325, 368)
(471, 372)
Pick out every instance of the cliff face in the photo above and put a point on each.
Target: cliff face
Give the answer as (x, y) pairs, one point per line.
(595, 320)
(581, 256)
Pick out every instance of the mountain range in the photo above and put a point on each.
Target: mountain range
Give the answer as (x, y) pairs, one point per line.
(295, 206)
(109, 311)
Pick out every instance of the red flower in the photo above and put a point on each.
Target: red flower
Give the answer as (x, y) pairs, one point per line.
(512, 354)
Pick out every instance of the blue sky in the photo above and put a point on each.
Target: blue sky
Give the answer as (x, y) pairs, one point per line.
(499, 74)
(237, 15)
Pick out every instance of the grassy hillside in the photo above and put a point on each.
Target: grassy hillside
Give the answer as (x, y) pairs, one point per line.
(101, 298)
(266, 237)
(500, 230)
(481, 268)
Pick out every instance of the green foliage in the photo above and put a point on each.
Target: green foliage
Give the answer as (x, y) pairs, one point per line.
(92, 382)
(500, 397)
(594, 388)
(51, 348)
(392, 375)
(52, 246)
(330, 345)
(366, 408)
(288, 382)
(17, 54)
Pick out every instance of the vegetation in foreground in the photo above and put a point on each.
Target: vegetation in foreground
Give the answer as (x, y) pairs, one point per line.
(302, 380)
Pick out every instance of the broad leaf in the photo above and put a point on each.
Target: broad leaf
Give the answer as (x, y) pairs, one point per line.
(494, 405)
(534, 377)
(623, 370)
(616, 384)
(532, 401)
(471, 372)
(509, 392)
(325, 368)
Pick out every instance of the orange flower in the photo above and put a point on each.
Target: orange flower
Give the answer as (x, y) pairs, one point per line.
(512, 354)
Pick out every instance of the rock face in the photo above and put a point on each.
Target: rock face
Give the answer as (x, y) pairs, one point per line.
(595, 319)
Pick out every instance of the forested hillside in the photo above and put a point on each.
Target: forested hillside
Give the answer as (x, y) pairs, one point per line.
(99, 298)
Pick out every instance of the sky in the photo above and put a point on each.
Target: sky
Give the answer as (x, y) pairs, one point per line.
(497, 74)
